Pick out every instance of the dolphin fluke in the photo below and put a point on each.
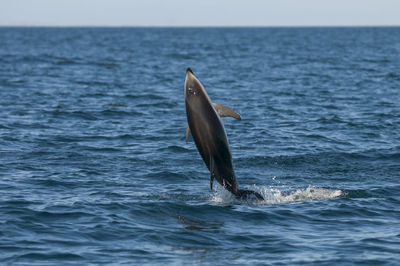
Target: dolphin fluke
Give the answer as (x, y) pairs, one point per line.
(246, 194)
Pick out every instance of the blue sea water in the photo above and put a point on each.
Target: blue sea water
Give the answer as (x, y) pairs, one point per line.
(94, 168)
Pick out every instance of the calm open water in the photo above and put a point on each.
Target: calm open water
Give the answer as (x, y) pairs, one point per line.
(94, 168)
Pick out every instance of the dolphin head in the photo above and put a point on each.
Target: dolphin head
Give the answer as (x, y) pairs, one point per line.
(194, 90)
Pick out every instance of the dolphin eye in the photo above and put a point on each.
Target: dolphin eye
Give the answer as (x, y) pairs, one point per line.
(191, 90)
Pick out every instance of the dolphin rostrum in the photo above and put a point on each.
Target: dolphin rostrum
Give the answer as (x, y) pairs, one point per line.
(209, 135)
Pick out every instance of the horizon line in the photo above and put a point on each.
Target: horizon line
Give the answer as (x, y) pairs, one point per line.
(197, 26)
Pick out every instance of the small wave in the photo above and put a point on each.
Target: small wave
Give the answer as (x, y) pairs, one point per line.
(50, 256)
(174, 148)
(276, 196)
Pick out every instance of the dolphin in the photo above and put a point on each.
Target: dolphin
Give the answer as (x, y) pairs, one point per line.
(210, 138)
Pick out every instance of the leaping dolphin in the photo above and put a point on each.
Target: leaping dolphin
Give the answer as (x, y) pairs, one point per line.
(209, 135)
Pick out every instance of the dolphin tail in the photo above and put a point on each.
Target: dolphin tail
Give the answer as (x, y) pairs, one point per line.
(246, 194)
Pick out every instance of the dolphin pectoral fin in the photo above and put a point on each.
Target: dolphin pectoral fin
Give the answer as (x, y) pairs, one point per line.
(223, 110)
(211, 172)
(187, 133)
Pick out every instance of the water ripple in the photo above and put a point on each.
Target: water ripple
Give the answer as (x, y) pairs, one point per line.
(94, 168)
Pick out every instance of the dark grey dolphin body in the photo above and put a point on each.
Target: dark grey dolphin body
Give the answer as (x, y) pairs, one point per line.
(209, 135)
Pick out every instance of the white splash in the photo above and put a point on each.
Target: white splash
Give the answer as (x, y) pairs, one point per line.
(276, 196)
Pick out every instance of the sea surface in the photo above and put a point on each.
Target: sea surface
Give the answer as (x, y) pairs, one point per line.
(94, 168)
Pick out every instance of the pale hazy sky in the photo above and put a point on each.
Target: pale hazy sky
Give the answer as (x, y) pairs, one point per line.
(199, 12)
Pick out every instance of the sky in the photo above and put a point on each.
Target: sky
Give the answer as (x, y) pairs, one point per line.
(199, 12)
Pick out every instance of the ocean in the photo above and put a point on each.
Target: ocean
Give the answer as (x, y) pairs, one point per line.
(94, 168)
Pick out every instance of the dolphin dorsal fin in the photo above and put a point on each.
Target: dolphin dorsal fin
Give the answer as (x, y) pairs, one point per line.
(223, 110)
